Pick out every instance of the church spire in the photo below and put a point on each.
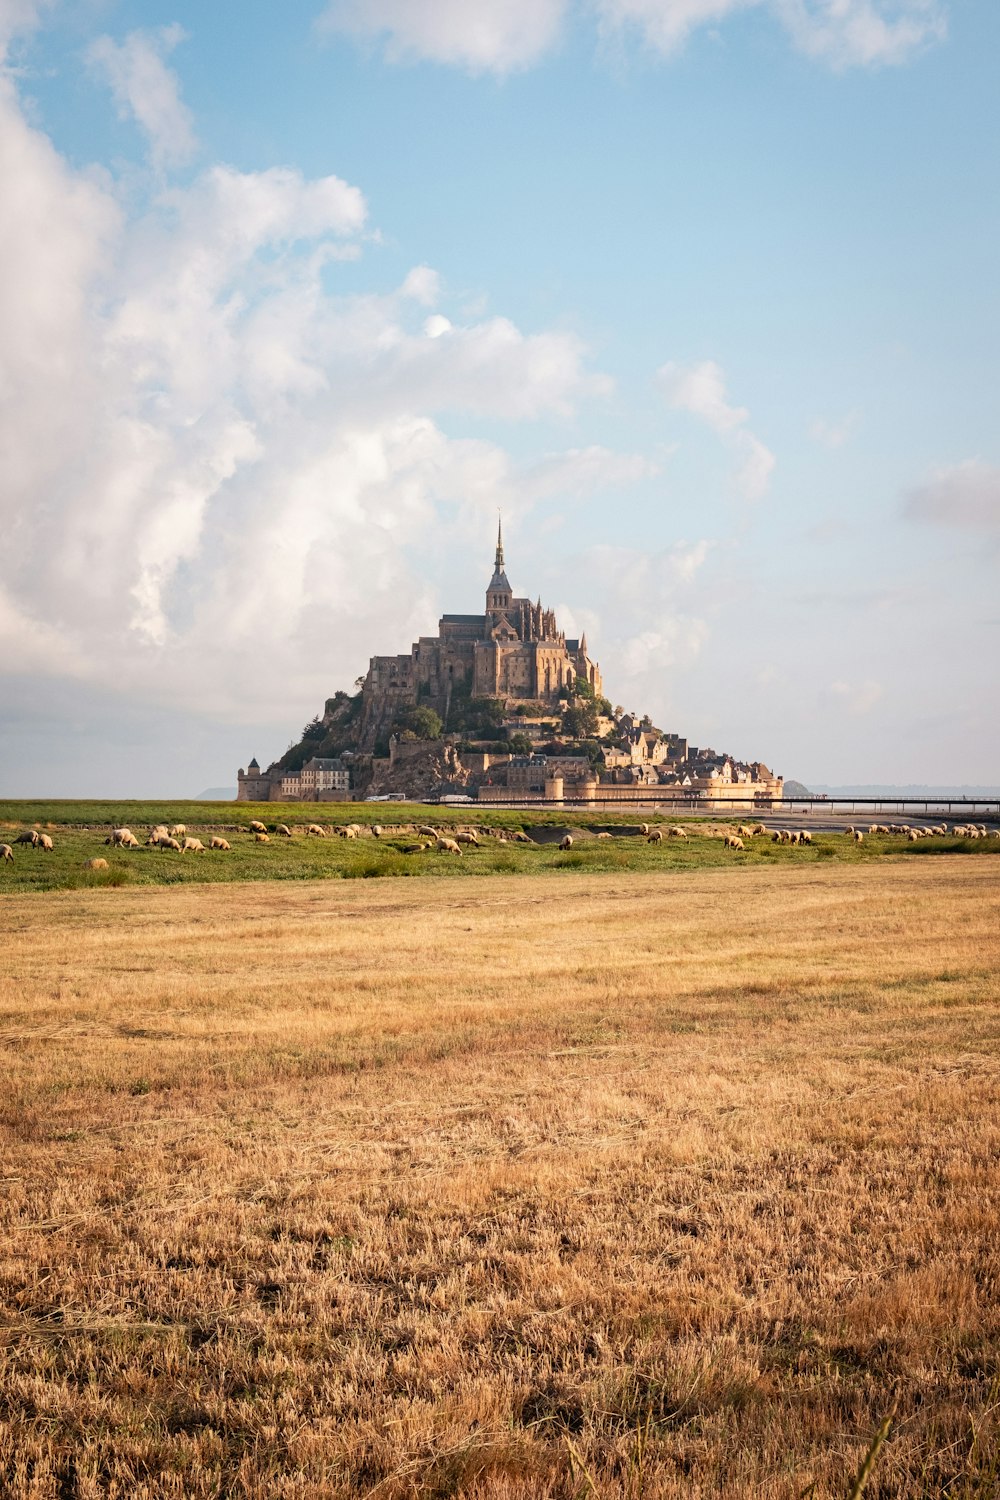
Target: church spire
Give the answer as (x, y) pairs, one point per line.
(499, 595)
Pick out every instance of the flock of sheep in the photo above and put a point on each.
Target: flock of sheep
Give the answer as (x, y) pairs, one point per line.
(451, 841)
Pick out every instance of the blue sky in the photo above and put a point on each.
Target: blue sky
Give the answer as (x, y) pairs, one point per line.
(701, 292)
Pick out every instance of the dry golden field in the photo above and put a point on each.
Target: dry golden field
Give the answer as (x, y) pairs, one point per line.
(672, 1185)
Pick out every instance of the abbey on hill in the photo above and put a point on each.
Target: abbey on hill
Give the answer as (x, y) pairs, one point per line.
(515, 650)
(495, 704)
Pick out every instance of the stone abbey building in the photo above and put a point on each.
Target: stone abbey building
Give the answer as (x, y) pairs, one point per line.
(514, 650)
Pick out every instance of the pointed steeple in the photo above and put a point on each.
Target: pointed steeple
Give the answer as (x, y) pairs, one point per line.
(499, 595)
(583, 643)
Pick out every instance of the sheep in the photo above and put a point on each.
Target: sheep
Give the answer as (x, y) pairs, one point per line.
(192, 846)
(677, 833)
(566, 842)
(123, 838)
(163, 841)
(415, 848)
(743, 832)
(733, 841)
(805, 837)
(45, 843)
(758, 828)
(262, 838)
(219, 843)
(466, 838)
(858, 836)
(347, 833)
(314, 831)
(159, 830)
(427, 833)
(656, 837)
(604, 835)
(6, 852)
(256, 826)
(284, 830)
(178, 831)
(913, 836)
(29, 836)
(95, 864)
(519, 837)
(376, 830)
(449, 846)
(644, 830)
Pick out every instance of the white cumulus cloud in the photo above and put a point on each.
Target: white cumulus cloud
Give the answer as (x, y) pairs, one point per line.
(218, 468)
(965, 495)
(700, 389)
(145, 89)
(843, 33)
(483, 36)
(499, 36)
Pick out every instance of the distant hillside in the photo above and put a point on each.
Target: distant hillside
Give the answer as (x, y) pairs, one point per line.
(217, 794)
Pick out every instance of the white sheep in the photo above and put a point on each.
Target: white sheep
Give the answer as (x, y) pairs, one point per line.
(262, 838)
(284, 830)
(656, 837)
(6, 852)
(192, 846)
(733, 841)
(169, 843)
(744, 832)
(314, 831)
(913, 836)
(123, 838)
(644, 830)
(805, 837)
(466, 838)
(858, 836)
(427, 833)
(216, 842)
(376, 830)
(604, 835)
(95, 864)
(449, 846)
(178, 831)
(677, 833)
(256, 826)
(29, 836)
(566, 842)
(521, 838)
(157, 831)
(45, 843)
